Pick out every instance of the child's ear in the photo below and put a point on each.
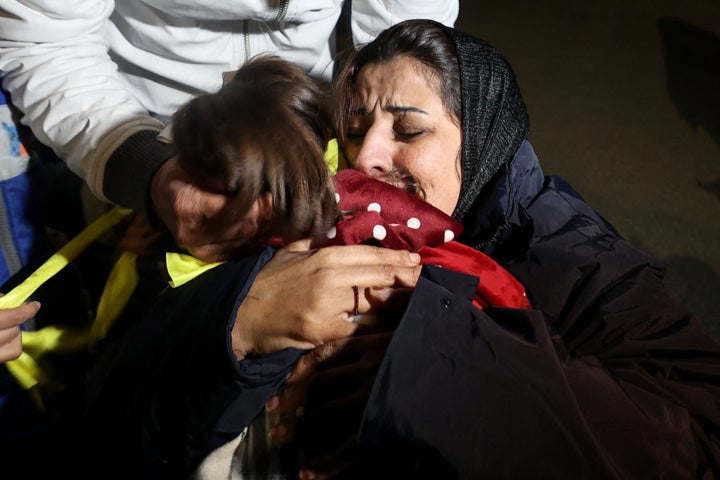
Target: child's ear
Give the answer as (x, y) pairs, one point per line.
(265, 206)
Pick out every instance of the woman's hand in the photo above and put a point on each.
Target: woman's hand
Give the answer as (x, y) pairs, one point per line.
(321, 403)
(304, 298)
(10, 334)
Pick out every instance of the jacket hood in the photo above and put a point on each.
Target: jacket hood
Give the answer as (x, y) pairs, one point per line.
(494, 117)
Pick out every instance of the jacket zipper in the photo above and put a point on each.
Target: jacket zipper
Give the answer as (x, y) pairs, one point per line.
(490, 240)
(246, 38)
(282, 11)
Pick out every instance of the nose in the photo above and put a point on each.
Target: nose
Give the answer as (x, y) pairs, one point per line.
(375, 157)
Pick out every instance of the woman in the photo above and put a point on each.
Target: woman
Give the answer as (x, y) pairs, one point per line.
(609, 377)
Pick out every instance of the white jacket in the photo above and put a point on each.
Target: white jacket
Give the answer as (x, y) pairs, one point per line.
(92, 76)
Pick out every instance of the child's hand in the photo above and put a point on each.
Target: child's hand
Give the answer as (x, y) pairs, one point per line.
(136, 235)
(10, 335)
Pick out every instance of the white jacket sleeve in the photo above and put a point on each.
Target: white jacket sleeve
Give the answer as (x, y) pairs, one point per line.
(370, 17)
(55, 65)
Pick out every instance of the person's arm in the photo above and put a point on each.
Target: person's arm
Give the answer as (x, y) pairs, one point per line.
(167, 389)
(10, 334)
(193, 373)
(55, 65)
(314, 290)
(370, 17)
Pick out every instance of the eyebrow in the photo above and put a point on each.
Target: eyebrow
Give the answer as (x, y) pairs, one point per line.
(392, 109)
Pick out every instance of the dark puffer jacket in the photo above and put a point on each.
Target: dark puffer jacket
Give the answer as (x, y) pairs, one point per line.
(610, 376)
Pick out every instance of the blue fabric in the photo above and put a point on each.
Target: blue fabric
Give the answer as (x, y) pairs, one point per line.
(24, 430)
(16, 232)
(20, 222)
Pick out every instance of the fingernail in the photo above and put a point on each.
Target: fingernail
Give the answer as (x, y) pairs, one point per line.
(415, 257)
(272, 404)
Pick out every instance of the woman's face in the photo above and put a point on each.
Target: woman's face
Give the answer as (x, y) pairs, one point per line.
(401, 123)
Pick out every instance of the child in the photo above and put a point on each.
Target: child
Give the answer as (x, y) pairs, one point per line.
(260, 139)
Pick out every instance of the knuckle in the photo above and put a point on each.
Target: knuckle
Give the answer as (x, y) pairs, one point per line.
(322, 276)
(308, 330)
(325, 255)
(16, 349)
(381, 254)
(17, 316)
(387, 272)
(11, 350)
(322, 253)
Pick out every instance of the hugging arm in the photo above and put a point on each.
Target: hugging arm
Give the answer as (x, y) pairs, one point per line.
(314, 290)
(171, 390)
(163, 392)
(56, 67)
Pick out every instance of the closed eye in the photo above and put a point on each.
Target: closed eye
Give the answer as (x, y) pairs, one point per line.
(407, 136)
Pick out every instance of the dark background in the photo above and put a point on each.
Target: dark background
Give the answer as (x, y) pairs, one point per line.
(624, 101)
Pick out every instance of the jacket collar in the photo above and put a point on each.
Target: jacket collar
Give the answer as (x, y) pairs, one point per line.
(497, 222)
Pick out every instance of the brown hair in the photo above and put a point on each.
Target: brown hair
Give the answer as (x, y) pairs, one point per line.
(264, 131)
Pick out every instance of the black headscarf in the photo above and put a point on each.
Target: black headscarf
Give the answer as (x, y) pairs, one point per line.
(494, 117)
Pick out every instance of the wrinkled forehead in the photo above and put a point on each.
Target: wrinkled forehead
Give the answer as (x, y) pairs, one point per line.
(401, 81)
(397, 70)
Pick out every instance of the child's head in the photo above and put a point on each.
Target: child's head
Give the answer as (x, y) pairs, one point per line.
(263, 135)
